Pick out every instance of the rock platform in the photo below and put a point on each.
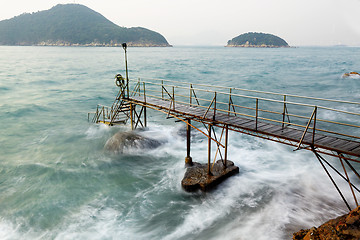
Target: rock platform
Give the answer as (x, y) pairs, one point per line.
(346, 227)
(196, 176)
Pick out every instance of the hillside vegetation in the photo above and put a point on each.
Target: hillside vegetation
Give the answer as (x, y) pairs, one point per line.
(73, 24)
(253, 39)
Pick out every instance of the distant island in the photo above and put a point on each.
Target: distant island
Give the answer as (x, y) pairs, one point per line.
(257, 40)
(73, 25)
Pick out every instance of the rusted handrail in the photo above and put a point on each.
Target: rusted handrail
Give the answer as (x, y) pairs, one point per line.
(185, 93)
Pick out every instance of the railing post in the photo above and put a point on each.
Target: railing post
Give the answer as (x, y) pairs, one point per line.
(145, 121)
(144, 92)
(214, 107)
(96, 117)
(283, 121)
(313, 133)
(173, 97)
(256, 116)
(139, 87)
(209, 150)
(131, 116)
(162, 89)
(229, 103)
(190, 95)
(226, 143)
(103, 109)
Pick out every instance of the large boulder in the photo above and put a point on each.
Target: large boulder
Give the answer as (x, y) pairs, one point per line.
(125, 140)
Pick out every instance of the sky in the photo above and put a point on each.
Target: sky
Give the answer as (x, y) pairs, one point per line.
(214, 22)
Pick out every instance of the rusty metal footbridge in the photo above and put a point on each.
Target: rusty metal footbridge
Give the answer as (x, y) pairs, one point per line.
(326, 127)
(323, 126)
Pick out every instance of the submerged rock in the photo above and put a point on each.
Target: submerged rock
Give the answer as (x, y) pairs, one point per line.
(123, 140)
(346, 227)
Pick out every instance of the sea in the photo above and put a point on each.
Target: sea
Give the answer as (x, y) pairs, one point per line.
(58, 182)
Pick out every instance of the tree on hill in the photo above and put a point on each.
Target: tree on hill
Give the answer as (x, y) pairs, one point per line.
(72, 24)
(253, 39)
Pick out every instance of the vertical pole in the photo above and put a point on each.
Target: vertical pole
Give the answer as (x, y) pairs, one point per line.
(139, 90)
(97, 114)
(283, 121)
(256, 117)
(209, 150)
(131, 116)
(188, 159)
(226, 143)
(144, 92)
(126, 68)
(162, 89)
(173, 98)
(145, 121)
(190, 95)
(229, 103)
(103, 110)
(313, 133)
(214, 107)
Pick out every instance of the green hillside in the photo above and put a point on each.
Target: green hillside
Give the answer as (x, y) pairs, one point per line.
(73, 24)
(253, 39)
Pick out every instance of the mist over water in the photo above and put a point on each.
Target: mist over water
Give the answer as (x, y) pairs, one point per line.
(58, 182)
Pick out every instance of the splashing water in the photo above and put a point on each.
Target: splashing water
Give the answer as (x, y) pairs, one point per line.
(58, 181)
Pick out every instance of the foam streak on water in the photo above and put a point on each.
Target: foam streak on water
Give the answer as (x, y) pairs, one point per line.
(58, 182)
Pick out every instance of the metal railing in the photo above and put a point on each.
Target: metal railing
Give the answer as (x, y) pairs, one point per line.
(333, 117)
(106, 114)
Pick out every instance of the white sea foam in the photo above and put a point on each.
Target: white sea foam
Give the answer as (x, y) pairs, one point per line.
(277, 192)
(97, 131)
(11, 231)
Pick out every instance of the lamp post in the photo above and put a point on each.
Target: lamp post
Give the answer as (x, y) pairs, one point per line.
(126, 68)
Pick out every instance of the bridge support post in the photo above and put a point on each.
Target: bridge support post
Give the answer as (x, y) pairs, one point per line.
(209, 151)
(320, 158)
(145, 121)
(188, 159)
(226, 144)
(132, 116)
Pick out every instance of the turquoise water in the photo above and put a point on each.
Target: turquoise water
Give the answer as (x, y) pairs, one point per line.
(57, 182)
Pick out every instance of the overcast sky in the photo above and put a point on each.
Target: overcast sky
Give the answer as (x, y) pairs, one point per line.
(214, 22)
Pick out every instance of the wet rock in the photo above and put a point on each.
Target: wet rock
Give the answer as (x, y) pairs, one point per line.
(351, 74)
(346, 227)
(123, 140)
(196, 176)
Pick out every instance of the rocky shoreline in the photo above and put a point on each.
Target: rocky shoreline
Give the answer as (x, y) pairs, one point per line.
(92, 44)
(97, 44)
(256, 46)
(346, 227)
